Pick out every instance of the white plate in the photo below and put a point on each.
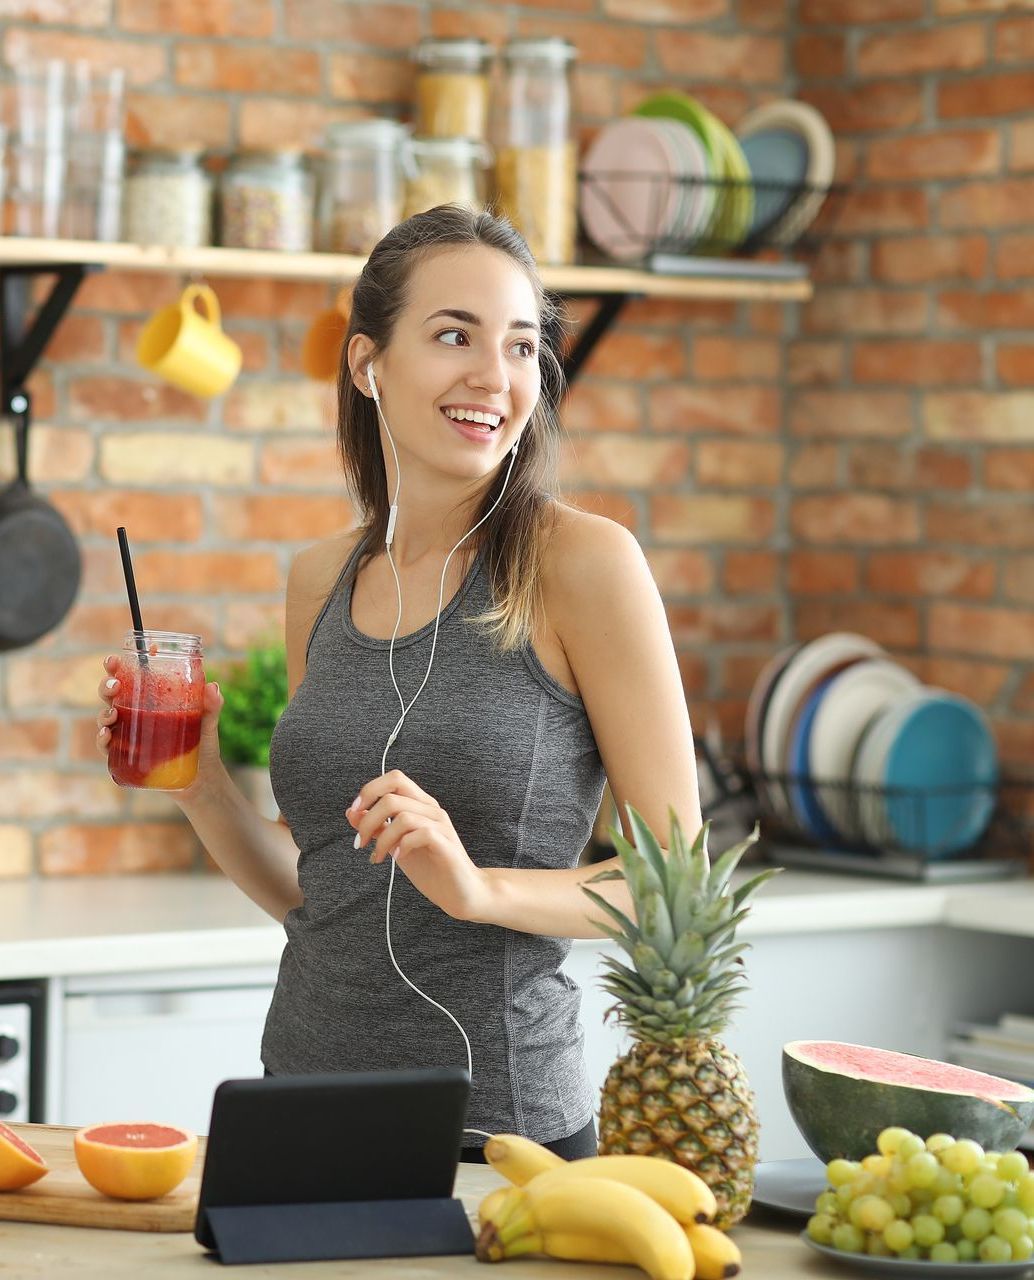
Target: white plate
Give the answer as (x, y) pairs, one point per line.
(802, 118)
(815, 662)
(697, 198)
(790, 1186)
(868, 770)
(757, 708)
(916, 1267)
(851, 701)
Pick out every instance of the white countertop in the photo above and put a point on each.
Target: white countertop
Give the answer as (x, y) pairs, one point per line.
(111, 924)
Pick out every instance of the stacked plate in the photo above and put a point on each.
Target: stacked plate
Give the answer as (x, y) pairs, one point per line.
(851, 748)
(792, 158)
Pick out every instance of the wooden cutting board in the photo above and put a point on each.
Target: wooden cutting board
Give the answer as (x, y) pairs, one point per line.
(63, 1196)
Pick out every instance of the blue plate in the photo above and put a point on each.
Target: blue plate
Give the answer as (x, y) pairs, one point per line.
(802, 794)
(943, 754)
(777, 156)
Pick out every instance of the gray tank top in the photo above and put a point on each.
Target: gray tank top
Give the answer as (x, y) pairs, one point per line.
(510, 755)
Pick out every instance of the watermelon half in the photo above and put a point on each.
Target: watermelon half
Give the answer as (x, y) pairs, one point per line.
(842, 1095)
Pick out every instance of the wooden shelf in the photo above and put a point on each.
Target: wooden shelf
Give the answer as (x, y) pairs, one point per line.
(337, 268)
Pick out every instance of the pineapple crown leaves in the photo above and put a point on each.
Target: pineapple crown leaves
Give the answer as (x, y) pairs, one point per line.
(687, 966)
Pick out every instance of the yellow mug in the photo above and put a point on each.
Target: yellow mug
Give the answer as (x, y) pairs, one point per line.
(188, 349)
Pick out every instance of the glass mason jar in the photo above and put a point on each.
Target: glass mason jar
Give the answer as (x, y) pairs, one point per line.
(168, 198)
(160, 701)
(452, 88)
(445, 171)
(266, 201)
(536, 165)
(360, 196)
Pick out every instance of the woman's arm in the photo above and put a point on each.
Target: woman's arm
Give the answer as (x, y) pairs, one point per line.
(605, 606)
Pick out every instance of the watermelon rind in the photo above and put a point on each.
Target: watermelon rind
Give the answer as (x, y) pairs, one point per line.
(841, 1114)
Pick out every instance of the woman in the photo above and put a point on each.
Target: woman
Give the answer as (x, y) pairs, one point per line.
(550, 667)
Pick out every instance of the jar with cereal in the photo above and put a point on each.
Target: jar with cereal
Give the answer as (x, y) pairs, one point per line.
(266, 201)
(445, 171)
(452, 88)
(167, 198)
(360, 196)
(536, 165)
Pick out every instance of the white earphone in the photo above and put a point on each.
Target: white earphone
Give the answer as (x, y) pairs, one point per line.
(389, 534)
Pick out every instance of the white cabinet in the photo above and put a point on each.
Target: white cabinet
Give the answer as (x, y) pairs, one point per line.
(153, 1046)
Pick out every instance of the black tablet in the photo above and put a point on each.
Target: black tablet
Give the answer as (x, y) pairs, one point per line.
(322, 1140)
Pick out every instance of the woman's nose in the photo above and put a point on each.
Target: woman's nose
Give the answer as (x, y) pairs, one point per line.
(490, 376)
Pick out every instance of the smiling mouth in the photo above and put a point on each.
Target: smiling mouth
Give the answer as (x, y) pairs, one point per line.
(487, 423)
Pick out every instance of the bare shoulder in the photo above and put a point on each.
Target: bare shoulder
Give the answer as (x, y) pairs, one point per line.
(313, 573)
(585, 561)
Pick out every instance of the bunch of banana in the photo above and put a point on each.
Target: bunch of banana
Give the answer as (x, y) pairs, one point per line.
(632, 1209)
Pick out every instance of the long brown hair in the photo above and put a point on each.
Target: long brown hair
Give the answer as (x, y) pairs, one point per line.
(515, 534)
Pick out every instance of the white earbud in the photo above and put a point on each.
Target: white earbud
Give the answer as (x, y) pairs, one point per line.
(373, 382)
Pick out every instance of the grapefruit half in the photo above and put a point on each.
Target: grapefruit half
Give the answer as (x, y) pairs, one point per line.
(135, 1161)
(20, 1165)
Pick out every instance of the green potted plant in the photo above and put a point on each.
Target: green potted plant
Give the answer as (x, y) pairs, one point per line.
(254, 693)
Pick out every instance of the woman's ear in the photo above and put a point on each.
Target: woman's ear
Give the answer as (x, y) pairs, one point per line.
(360, 352)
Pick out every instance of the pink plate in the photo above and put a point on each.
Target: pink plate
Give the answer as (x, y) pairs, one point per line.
(630, 196)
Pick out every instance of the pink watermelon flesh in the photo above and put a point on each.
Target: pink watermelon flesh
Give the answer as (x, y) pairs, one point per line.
(903, 1068)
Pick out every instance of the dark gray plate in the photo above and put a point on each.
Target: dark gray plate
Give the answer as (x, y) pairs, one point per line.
(790, 1186)
(918, 1266)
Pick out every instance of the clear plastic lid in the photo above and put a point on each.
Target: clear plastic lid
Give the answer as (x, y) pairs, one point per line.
(554, 50)
(464, 53)
(374, 135)
(269, 158)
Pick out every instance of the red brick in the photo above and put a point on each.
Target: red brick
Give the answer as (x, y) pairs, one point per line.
(895, 625)
(718, 623)
(815, 363)
(815, 466)
(688, 11)
(994, 309)
(50, 793)
(599, 43)
(288, 122)
(1014, 40)
(615, 506)
(300, 464)
(729, 359)
(1018, 579)
(880, 311)
(997, 524)
(921, 259)
(850, 413)
(851, 13)
(748, 573)
(77, 337)
(986, 633)
(125, 847)
(962, 153)
(595, 94)
(930, 573)
(813, 573)
(988, 204)
(820, 56)
(710, 518)
(744, 410)
(1014, 256)
(1016, 750)
(767, 318)
(863, 518)
(610, 461)
(281, 518)
(740, 672)
(751, 59)
(1001, 94)
(128, 292)
(250, 622)
(1009, 469)
(143, 63)
(384, 26)
(708, 313)
(638, 356)
(1022, 149)
(680, 573)
(1014, 363)
(595, 405)
(981, 681)
(1024, 699)
(363, 77)
(983, 416)
(938, 469)
(253, 19)
(261, 298)
(839, 262)
(869, 210)
(863, 108)
(917, 364)
(207, 572)
(57, 455)
(739, 464)
(164, 119)
(152, 517)
(879, 466)
(103, 625)
(246, 69)
(492, 25)
(761, 15)
(35, 739)
(726, 101)
(79, 13)
(957, 47)
(693, 672)
(114, 399)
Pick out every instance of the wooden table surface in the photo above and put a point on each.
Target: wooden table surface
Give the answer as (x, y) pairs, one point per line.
(31, 1251)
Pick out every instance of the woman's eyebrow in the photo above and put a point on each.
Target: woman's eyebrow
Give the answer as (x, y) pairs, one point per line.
(468, 317)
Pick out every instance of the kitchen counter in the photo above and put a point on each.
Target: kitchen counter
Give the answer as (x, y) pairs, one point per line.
(30, 1251)
(112, 924)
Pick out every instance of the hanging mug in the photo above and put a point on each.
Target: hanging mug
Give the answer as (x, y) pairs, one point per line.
(189, 349)
(321, 346)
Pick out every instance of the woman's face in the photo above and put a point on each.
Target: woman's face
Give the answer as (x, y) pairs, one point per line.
(467, 343)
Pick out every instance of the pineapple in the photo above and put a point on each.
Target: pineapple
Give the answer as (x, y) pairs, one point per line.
(679, 1093)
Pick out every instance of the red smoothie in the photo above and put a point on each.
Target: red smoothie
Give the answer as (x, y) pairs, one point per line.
(154, 741)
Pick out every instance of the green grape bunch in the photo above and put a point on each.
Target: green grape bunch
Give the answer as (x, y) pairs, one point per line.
(939, 1199)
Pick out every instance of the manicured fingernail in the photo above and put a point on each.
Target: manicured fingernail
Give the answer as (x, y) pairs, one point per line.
(110, 684)
(215, 686)
(354, 804)
(355, 842)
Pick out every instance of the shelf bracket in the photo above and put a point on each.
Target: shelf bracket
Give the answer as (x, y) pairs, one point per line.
(22, 342)
(610, 307)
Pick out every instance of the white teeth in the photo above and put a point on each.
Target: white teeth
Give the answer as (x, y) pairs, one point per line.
(474, 415)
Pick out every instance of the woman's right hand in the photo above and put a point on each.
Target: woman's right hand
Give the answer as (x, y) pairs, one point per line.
(209, 758)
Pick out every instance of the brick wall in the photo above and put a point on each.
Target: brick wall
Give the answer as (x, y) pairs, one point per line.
(856, 462)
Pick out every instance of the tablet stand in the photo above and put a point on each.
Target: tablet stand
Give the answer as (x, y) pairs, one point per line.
(340, 1229)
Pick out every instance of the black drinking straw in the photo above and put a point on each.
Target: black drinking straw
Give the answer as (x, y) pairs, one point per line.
(134, 602)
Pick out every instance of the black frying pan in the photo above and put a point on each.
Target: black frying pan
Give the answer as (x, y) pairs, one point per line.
(39, 559)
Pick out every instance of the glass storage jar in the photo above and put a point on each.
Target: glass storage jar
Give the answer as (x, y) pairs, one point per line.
(266, 201)
(452, 88)
(360, 196)
(536, 165)
(168, 198)
(445, 171)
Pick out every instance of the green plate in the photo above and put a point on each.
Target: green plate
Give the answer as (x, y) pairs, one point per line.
(734, 207)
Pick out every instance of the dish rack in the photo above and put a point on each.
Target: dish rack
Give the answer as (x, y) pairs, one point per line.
(781, 213)
(893, 848)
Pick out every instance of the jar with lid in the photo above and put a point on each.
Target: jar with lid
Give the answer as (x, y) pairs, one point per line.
(360, 196)
(445, 171)
(266, 201)
(452, 88)
(536, 165)
(167, 198)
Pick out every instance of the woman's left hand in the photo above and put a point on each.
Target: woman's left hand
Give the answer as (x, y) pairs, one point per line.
(422, 840)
